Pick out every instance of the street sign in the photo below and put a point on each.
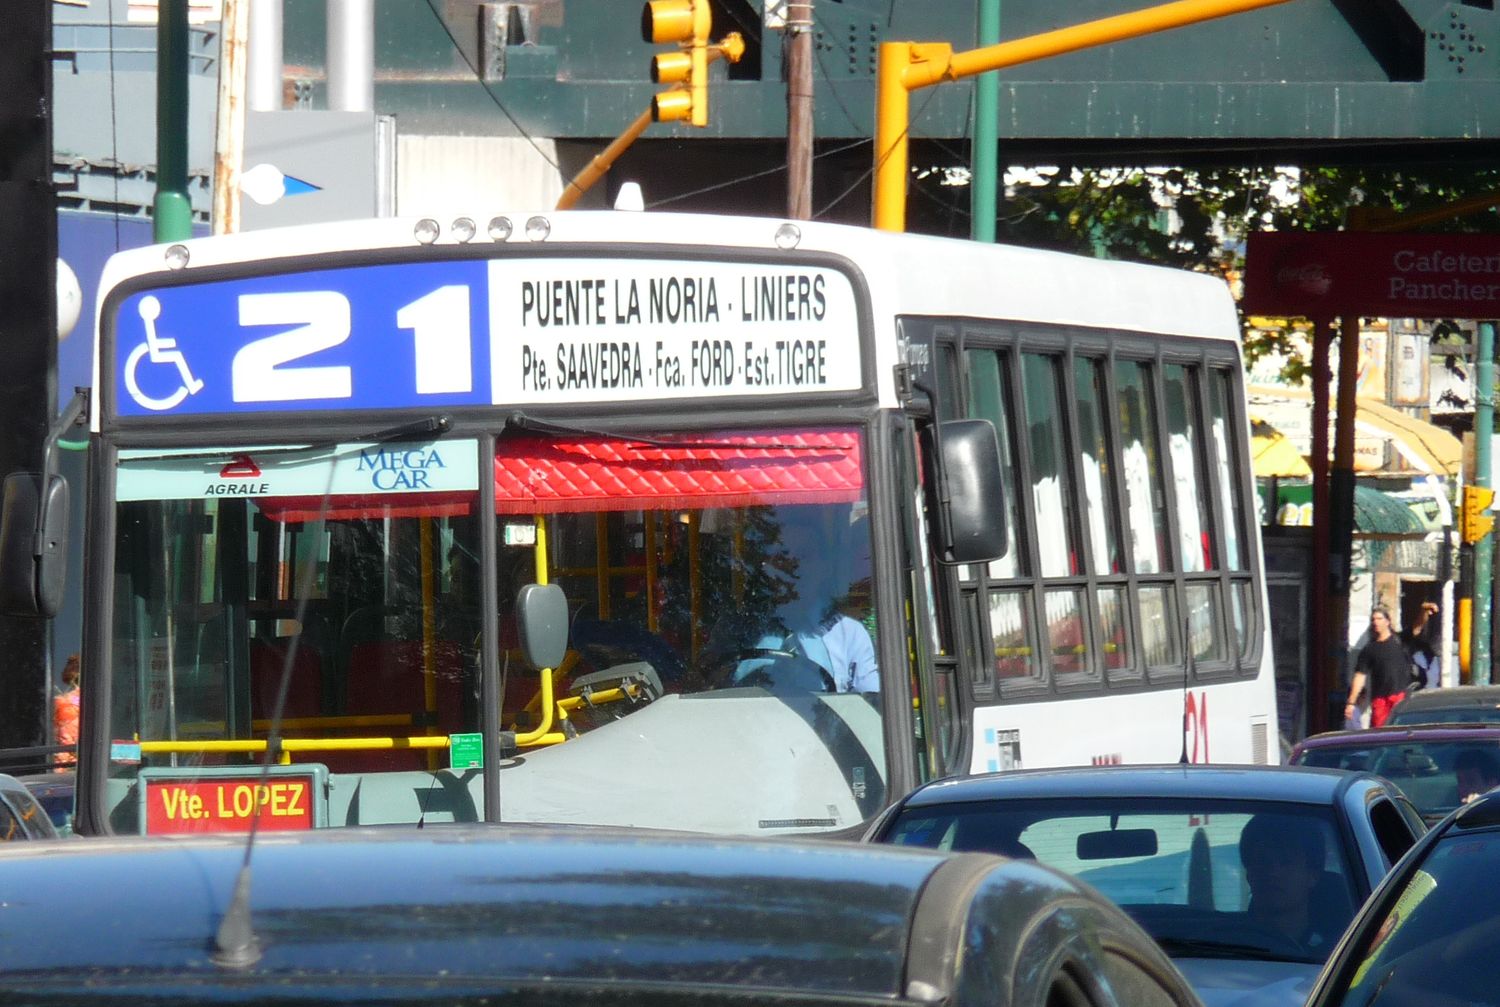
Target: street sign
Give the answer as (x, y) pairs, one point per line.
(1331, 274)
(466, 332)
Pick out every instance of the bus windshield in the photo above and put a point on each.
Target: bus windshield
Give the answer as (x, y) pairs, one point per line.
(721, 673)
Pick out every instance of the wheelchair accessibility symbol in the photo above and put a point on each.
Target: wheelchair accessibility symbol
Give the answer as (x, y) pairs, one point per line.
(159, 350)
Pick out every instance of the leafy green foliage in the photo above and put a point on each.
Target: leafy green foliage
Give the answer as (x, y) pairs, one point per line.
(1199, 218)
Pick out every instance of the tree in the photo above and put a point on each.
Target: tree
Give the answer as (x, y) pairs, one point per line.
(1198, 218)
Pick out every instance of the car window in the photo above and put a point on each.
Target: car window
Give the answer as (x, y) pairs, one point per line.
(1353, 757)
(1445, 715)
(1187, 871)
(1392, 831)
(10, 826)
(1436, 942)
(1430, 773)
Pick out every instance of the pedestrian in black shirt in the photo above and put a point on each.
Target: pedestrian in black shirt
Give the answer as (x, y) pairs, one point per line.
(1385, 665)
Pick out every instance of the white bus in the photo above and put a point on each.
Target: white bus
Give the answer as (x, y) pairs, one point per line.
(328, 462)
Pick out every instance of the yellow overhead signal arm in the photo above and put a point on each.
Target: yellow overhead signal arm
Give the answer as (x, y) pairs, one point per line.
(905, 67)
(730, 47)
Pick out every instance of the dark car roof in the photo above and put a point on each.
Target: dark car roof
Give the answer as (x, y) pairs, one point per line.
(497, 905)
(1297, 785)
(522, 904)
(1468, 731)
(1455, 696)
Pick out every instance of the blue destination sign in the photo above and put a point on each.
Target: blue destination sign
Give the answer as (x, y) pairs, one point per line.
(456, 333)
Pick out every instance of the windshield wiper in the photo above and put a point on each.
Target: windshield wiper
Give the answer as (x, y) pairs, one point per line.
(427, 426)
(1194, 947)
(519, 421)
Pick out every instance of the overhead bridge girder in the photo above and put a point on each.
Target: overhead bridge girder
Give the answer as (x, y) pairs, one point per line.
(1308, 80)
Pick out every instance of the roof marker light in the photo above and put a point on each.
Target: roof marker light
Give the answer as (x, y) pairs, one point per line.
(538, 229)
(177, 256)
(426, 231)
(788, 236)
(463, 230)
(500, 228)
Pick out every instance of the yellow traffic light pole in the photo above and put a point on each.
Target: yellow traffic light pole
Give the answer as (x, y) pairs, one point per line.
(905, 67)
(730, 47)
(687, 23)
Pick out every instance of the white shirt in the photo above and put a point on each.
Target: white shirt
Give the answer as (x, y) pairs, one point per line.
(844, 649)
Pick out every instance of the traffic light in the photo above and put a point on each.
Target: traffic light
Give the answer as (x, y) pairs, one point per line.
(687, 23)
(1475, 519)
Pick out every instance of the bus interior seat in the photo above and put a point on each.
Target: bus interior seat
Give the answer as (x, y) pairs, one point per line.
(605, 644)
(389, 676)
(304, 691)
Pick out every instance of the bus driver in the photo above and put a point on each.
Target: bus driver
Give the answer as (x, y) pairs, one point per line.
(815, 626)
(806, 639)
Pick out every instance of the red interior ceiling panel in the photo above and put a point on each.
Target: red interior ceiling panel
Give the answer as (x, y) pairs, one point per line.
(545, 475)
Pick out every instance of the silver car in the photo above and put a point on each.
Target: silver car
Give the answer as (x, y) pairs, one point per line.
(1246, 876)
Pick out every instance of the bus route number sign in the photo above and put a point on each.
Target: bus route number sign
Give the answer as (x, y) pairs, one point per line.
(229, 804)
(469, 333)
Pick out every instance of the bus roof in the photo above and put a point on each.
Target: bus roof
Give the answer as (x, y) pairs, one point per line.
(907, 274)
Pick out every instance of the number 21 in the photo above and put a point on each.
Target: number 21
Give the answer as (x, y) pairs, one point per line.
(439, 322)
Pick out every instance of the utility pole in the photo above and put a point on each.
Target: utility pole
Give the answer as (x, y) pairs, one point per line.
(985, 179)
(1484, 544)
(229, 123)
(1340, 512)
(172, 211)
(799, 109)
(28, 321)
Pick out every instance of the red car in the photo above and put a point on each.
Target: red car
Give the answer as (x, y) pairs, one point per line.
(1437, 766)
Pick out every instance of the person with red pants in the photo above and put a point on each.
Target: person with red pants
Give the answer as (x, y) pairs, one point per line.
(1385, 665)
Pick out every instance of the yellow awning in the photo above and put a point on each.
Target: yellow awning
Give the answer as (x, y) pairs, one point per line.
(1273, 455)
(1420, 446)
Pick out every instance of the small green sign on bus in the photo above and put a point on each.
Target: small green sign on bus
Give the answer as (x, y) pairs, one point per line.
(466, 751)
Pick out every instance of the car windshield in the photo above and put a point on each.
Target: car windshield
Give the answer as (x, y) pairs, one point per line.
(1436, 776)
(720, 673)
(1435, 943)
(1469, 714)
(1206, 878)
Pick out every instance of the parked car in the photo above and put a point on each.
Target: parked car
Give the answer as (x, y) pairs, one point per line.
(54, 792)
(1459, 704)
(21, 817)
(1437, 766)
(1246, 877)
(535, 915)
(1428, 935)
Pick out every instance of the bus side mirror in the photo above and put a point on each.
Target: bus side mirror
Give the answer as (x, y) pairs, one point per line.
(542, 624)
(975, 494)
(33, 545)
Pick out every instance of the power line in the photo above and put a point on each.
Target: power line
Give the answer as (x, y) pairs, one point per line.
(774, 169)
(931, 92)
(486, 85)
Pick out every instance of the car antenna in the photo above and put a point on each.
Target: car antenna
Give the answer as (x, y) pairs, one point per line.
(235, 945)
(1187, 669)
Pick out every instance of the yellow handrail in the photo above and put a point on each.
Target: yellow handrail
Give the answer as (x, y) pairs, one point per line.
(547, 713)
(429, 633)
(295, 745)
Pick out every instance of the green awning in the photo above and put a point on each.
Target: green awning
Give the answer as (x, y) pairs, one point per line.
(1377, 514)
